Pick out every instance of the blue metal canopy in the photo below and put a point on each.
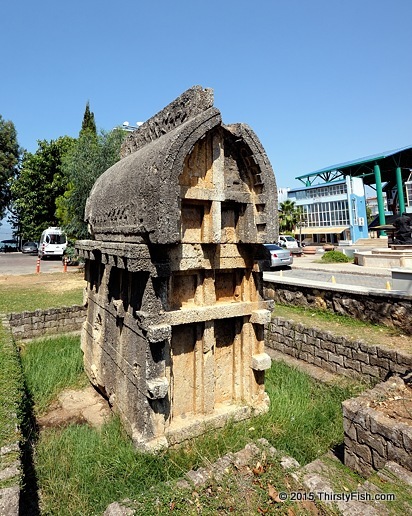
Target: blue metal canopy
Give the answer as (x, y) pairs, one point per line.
(388, 161)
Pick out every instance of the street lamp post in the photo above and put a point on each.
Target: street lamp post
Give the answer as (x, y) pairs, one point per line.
(301, 221)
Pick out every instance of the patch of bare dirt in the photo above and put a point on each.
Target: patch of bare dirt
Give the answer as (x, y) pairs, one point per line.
(52, 282)
(73, 406)
(71, 282)
(397, 406)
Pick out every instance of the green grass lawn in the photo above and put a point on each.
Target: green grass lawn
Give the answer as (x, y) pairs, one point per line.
(81, 470)
(11, 389)
(51, 365)
(30, 292)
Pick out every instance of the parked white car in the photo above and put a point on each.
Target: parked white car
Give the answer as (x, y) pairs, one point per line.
(53, 242)
(288, 242)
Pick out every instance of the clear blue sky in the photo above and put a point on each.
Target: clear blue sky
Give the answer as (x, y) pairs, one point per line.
(319, 81)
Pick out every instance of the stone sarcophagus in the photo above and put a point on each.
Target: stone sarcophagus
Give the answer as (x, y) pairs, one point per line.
(174, 335)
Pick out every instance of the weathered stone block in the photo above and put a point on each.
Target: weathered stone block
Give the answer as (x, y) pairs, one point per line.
(336, 359)
(352, 364)
(378, 444)
(395, 368)
(372, 371)
(307, 348)
(342, 370)
(312, 341)
(361, 356)
(350, 429)
(260, 317)
(387, 438)
(351, 460)
(330, 366)
(400, 456)
(274, 327)
(383, 352)
(157, 388)
(317, 361)
(404, 359)
(159, 333)
(380, 362)
(328, 344)
(261, 362)
(303, 356)
(310, 358)
(292, 351)
(321, 353)
(407, 438)
(367, 348)
(354, 412)
(363, 451)
(378, 460)
(382, 425)
(18, 330)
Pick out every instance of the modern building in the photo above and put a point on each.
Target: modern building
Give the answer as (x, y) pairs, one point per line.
(332, 212)
(388, 171)
(282, 194)
(408, 188)
(372, 204)
(343, 207)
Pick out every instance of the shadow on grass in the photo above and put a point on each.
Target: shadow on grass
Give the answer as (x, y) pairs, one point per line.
(29, 495)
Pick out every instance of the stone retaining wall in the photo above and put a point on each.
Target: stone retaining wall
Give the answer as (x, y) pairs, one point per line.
(335, 353)
(372, 437)
(29, 325)
(10, 466)
(378, 307)
(22, 326)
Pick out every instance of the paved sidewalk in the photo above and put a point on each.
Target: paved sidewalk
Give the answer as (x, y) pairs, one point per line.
(310, 268)
(313, 262)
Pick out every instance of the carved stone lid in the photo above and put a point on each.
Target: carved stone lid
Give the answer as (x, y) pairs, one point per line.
(139, 199)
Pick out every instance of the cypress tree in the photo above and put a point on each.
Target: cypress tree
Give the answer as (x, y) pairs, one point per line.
(88, 124)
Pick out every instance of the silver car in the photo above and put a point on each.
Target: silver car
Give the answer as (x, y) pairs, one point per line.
(29, 248)
(279, 257)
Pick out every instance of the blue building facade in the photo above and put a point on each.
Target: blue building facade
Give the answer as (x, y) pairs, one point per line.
(332, 212)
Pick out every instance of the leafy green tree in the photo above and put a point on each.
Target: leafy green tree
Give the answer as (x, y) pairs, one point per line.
(88, 159)
(88, 124)
(289, 216)
(9, 160)
(35, 189)
(369, 216)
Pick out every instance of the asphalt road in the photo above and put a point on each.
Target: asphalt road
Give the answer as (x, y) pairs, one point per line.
(19, 263)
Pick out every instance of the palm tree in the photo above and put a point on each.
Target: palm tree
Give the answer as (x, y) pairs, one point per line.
(289, 215)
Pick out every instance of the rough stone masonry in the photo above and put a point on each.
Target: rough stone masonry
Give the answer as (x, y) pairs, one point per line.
(174, 335)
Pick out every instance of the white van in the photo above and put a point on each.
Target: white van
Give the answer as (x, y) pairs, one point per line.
(53, 242)
(288, 242)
